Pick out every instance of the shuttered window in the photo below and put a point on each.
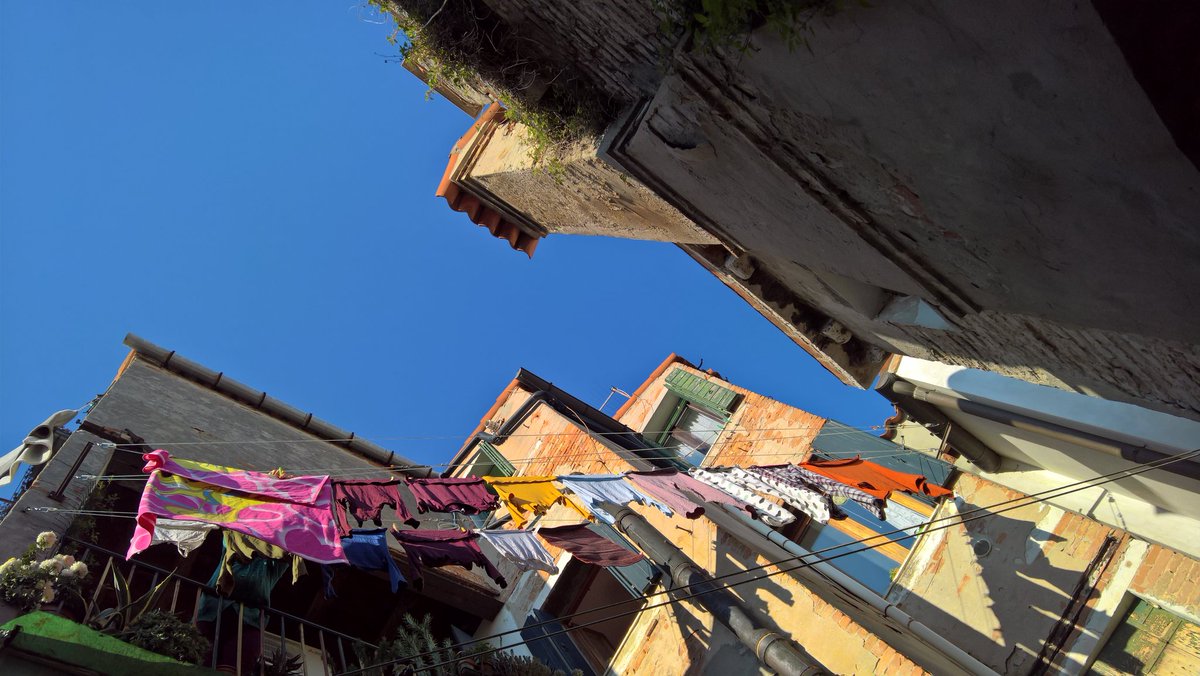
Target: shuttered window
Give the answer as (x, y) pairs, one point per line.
(702, 392)
(492, 455)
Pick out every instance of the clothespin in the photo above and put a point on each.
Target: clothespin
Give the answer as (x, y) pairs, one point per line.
(278, 473)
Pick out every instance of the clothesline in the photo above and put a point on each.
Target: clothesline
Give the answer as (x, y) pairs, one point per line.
(430, 437)
(347, 472)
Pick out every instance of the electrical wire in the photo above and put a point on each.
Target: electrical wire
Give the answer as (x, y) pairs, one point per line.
(955, 519)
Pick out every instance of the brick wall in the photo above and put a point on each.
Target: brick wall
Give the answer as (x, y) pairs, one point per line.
(1170, 579)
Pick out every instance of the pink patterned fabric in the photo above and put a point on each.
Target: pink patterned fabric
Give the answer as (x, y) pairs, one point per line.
(295, 514)
(302, 489)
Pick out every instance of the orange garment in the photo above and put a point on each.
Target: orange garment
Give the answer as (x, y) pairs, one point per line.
(524, 495)
(874, 479)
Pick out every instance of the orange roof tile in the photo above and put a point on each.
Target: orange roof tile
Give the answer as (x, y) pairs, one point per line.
(480, 213)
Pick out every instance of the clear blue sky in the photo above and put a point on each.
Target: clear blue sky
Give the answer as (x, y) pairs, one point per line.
(251, 184)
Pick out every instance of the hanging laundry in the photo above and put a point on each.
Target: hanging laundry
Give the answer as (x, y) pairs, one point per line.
(295, 515)
(794, 475)
(530, 495)
(589, 546)
(668, 485)
(239, 547)
(593, 489)
(466, 495)
(521, 548)
(366, 499)
(436, 548)
(367, 550)
(187, 536)
(874, 478)
(767, 511)
(37, 447)
(818, 506)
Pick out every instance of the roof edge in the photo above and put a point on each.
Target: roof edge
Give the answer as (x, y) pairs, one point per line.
(259, 400)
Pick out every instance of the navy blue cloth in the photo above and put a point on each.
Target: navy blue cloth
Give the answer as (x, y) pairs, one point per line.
(367, 550)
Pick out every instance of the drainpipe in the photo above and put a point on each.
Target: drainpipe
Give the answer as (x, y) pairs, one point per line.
(752, 533)
(961, 440)
(1140, 453)
(776, 652)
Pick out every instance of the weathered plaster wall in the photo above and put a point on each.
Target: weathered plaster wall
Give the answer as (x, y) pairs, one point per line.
(681, 638)
(1000, 605)
(760, 431)
(581, 195)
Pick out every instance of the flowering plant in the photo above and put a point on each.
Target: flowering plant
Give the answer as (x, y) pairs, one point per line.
(26, 582)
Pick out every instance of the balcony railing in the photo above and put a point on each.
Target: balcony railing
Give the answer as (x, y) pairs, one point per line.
(323, 651)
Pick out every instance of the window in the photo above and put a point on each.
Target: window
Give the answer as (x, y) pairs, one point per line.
(691, 433)
(1150, 640)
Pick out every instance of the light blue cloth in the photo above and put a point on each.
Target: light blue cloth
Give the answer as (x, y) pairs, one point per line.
(596, 488)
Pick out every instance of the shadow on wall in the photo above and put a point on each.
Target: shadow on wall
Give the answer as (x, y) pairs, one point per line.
(1001, 588)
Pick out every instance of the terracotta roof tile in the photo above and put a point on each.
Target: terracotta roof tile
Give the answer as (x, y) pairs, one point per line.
(464, 201)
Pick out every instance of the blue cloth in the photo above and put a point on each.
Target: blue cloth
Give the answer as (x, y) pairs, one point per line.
(367, 550)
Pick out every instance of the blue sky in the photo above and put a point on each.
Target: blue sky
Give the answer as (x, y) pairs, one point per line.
(254, 189)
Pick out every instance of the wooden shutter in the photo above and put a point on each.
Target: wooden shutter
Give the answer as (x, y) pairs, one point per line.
(497, 459)
(701, 392)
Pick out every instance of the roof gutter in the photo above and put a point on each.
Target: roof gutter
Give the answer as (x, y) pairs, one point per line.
(971, 448)
(258, 400)
(1137, 453)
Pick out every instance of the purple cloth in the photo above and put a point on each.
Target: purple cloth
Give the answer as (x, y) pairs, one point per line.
(436, 548)
(589, 546)
(366, 499)
(467, 495)
(668, 485)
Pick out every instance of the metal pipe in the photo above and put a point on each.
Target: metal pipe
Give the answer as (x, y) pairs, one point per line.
(58, 493)
(961, 440)
(1140, 454)
(737, 526)
(777, 652)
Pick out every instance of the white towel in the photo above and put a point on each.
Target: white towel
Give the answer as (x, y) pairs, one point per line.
(596, 488)
(770, 513)
(185, 535)
(522, 548)
(813, 503)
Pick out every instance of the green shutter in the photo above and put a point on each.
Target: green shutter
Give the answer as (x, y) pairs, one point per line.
(493, 455)
(701, 392)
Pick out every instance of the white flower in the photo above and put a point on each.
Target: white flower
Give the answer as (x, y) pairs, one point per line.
(79, 569)
(67, 572)
(51, 565)
(4, 567)
(46, 539)
(47, 593)
(65, 559)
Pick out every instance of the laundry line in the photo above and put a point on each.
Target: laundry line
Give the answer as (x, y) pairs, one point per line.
(956, 519)
(432, 437)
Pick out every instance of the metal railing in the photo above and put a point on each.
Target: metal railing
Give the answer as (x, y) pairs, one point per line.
(294, 636)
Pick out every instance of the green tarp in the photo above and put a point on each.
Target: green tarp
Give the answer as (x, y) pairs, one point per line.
(58, 639)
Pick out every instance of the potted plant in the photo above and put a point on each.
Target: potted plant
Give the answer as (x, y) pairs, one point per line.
(29, 583)
(166, 634)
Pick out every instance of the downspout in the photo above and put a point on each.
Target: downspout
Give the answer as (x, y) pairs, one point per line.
(961, 440)
(1140, 454)
(735, 524)
(776, 652)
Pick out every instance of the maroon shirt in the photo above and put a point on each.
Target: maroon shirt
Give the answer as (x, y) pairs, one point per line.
(589, 546)
(366, 499)
(436, 548)
(467, 495)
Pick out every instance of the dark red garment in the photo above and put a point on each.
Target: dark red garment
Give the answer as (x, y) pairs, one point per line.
(366, 499)
(467, 495)
(589, 546)
(873, 478)
(436, 548)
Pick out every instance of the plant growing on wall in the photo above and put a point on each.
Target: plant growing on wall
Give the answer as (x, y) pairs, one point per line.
(726, 24)
(26, 582)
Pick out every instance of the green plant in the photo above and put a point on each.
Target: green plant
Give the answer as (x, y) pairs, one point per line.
(279, 663)
(83, 528)
(466, 45)
(166, 634)
(128, 610)
(726, 24)
(26, 582)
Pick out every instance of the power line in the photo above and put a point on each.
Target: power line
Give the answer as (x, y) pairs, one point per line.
(957, 519)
